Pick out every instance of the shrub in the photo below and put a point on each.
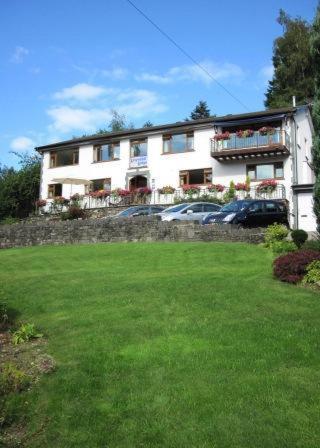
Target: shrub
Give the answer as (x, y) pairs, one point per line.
(283, 247)
(313, 273)
(4, 318)
(312, 244)
(275, 232)
(299, 237)
(9, 220)
(12, 379)
(74, 212)
(25, 333)
(292, 267)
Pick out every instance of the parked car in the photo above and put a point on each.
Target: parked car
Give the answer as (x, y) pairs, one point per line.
(189, 212)
(250, 213)
(139, 210)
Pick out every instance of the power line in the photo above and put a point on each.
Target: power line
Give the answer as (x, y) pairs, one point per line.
(187, 54)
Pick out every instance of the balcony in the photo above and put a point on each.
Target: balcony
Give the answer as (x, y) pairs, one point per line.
(274, 144)
(138, 162)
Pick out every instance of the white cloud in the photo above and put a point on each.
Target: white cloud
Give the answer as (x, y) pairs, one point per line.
(140, 103)
(194, 73)
(67, 119)
(81, 92)
(134, 103)
(22, 143)
(115, 73)
(19, 55)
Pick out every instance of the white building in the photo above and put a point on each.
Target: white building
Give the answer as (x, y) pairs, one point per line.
(272, 144)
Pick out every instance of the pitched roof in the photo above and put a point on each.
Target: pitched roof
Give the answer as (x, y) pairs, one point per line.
(144, 132)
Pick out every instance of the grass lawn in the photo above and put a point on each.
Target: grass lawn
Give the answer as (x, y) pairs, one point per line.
(167, 345)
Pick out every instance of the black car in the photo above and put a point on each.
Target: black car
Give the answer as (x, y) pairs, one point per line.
(250, 213)
(139, 210)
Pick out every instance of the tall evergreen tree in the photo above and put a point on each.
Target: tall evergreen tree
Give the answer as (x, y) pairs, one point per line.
(293, 67)
(315, 53)
(200, 111)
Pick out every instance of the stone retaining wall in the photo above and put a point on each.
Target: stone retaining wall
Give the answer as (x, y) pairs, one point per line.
(119, 230)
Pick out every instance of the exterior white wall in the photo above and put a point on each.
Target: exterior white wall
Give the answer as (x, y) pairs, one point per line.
(163, 169)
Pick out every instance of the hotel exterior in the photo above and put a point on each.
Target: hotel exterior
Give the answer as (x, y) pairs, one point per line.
(271, 145)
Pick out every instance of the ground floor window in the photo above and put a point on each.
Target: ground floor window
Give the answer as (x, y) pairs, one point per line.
(54, 190)
(100, 184)
(265, 171)
(196, 177)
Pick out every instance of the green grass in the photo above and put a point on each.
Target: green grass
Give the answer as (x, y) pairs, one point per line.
(167, 345)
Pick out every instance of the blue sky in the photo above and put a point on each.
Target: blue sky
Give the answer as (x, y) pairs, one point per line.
(65, 64)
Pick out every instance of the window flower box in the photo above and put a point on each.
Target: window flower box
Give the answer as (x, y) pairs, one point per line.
(166, 190)
(267, 130)
(222, 136)
(267, 186)
(241, 186)
(216, 188)
(190, 190)
(244, 134)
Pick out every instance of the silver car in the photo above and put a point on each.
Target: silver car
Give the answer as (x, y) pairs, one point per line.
(189, 212)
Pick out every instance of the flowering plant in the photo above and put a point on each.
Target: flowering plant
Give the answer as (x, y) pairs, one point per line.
(41, 203)
(216, 188)
(267, 130)
(166, 190)
(121, 192)
(222, 136)
(242, 186)
(100, 194)
(245, 133)
(143, 190)
(76, 197)
(60, 200)
(267, 186)
(191, 189)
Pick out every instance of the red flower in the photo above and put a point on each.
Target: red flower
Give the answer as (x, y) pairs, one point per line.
(267, 185)
(216, 187)
(191, 188)
(100, 194)
(222, 136)
(240, 186)
(41, 203)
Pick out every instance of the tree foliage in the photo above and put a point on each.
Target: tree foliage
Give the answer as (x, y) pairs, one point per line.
(293, 66)
(315, 54)
(19, 188)
(201, 110)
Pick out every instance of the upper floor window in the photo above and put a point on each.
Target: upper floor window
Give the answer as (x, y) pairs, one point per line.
(177, 143)
(64, 157)
(196, 177)
(265, 171)
(100, 184)
(106, 153)
(54, 190)
(138, 148)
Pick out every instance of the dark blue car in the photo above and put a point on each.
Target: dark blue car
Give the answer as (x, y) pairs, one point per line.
(250, 213)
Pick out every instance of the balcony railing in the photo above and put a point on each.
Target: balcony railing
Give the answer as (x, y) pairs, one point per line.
(137, 162)
(257, 140)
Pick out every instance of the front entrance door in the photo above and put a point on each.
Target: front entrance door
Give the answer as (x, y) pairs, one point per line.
(137, 182)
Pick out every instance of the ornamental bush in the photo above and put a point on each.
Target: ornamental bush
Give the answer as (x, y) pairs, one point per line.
(292, 267)
(299, 237)
(283, 247)
(275, 232)
(313, 273)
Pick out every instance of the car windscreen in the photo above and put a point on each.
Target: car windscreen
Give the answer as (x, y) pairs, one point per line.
(129, 211)
(235, 206)
(175, 208)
